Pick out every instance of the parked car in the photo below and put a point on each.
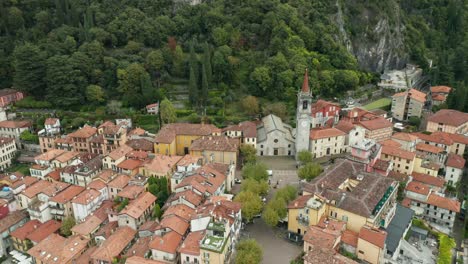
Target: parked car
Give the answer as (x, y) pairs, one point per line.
(270, 173)
(237, 181)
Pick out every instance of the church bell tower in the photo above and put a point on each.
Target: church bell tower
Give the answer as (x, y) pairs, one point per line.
(303, 116)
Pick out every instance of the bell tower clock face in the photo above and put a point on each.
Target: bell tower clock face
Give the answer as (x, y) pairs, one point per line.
(304, 123)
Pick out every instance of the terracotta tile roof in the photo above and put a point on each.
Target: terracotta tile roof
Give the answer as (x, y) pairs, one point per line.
(137, 207)
(191, 244)
(54, 175)
(5, 141)
(344, 126)
(428, 179)
(167, 243)
(398, 152)
(361, 199)
(50, 155)
(115, 244)
(137, 131)
(50, 121)
(417, 95)
(189, 159)
(8, 91)
(57, 249)
(219, 208)
(321, 237)
(206, 180)
(187, 195)
(373, 236)
(449, 117)
(439, 97)
(152, 105)
(376, 123)
(428, 148)
(68, 194)
(92, 222)
(321, 104)
(440, 89)
(350, 238)
(318, 255)
(97, 185)
(86, 197)
(15, 124)
(405, 137)
(106, 230)
(131, 191)
(137, 154)
(455, 161)
(180, 210)
(129, 164)
(299, 202)
(161, 164)
(381, 165)
(106, 175)
(120, 152)
(215, 143)
(150, 226)
(458, 138)
(11, 219)
(119, 182)
(444, 202)
(140, 260)
(418, 187)
(68, 155)
(441, 138)
(406, 202)
(22, 232)
(175, 223)
(248, 129)
(390, 143)
(39, 234)
(139, 248)
(168, 133)
(398, 176)
(141, 144)
(36, 188)
(64, 140)
(431, 166)
(84, 132)
(318, 133)
(85, 258)
(26, 180)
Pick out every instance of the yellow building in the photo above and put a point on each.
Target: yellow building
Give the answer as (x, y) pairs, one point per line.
(403, 160)
(371, 245)
(215, 247)
(219, 149)
(160, 166)
(176, 139)
(422, 165)
(19, 236)
(346, 193)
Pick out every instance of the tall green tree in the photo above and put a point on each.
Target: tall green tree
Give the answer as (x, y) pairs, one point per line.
(204, 87)
(207, 63)
(249, 252)
(167, 112)
(67, 225)
(309, 171)
(30, 69)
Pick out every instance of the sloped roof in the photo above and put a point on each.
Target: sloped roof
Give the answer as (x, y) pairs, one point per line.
(137, 207)
(319, 133)
(115, 244)
(455, 161)
(449, 117)
(168, 133)
(373, 236)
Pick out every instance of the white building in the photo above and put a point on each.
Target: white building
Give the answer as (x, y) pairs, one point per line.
(86, 203)
(13, 129)
(7, 153)
(327, 142)
(274, 138)
(454, 169)
(152, 109)
(400, 80)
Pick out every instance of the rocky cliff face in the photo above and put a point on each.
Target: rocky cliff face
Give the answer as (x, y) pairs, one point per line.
(375, 37)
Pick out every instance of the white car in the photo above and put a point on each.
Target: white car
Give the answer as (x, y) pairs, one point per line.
(270, 173)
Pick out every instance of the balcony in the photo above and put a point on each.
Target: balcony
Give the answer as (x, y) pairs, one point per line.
(303, 220)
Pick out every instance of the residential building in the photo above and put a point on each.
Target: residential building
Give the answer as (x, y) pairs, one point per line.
(338, 193)
(439, 94)
(407, 141)
(454, 169)
(86, 203)
(65, 143)
(431, 152)
(246, 131)
(403, 161)
(141, 144)
(114, 136)
(111, 160)
(19, 236)
(176, 139)
(216, 247)
(9, 224)
(397, 231)
(275, 138)
(137, 211)
(408, 104)
(57, 249)
(206, 182)
(60, 204)
(131, 192)
(324, 114)
(152, 109)
(8, 152)
(141, 260)
(9, 96)
(117, 184)
(49, 134)
(435, 183)
(46, 229)
(13, 129)
(451, 143)
(189, 250)
(84, 171)
(82, 137)
(424, 165)
(65, 159)
(371, 245)
(448, 120)
(159, 166)
(164, 247)
(219, 149)
(353, 134)
(317, 255)
(91, 224)
(327, 142)
(378, 129)
(129, 167)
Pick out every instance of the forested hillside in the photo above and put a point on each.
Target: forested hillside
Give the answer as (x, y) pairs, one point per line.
(72, 53)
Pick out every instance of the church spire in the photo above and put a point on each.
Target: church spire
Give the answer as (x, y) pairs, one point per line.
(305, 84)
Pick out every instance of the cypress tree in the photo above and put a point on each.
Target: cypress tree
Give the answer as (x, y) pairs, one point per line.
(30, 69)
(193, 89)
(207, 62)
(204, 96)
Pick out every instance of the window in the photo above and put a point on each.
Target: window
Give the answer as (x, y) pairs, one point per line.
(276, 140)
(361, 252)
(304, 104)
(344, 218)
(261, 146)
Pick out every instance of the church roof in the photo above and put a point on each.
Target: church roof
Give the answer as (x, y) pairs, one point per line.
(305, 84)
